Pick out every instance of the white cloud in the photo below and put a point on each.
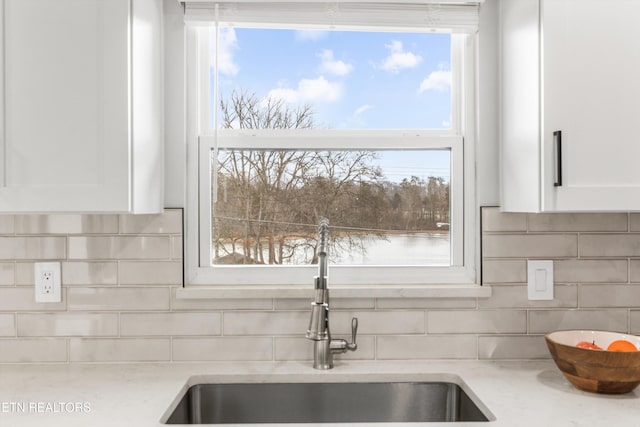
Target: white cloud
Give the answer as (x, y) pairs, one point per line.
(309, 90)
(437, 80)
(362, 109)
(310, 35)
(446, 123)
(332, 65)
(287, 95)
(398, 58)
(227, 43)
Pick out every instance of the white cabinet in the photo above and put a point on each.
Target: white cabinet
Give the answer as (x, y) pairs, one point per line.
(81, 117)
(569, 71)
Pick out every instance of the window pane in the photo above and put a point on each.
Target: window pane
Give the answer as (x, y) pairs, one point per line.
(386, 207)
(347, 79)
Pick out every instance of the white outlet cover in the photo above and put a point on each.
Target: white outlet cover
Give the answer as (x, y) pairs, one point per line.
(48, 290)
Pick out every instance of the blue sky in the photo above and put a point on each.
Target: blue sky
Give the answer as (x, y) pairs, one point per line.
(352, 80)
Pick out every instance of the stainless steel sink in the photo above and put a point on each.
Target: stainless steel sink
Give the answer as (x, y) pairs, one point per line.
(335, 402)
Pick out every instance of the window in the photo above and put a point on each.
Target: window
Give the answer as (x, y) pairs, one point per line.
(367, 125)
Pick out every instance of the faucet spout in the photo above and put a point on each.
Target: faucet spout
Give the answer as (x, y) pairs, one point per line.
(318, 331)
(323, 235)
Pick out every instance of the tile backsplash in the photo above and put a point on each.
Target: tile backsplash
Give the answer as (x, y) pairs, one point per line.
(120, 274)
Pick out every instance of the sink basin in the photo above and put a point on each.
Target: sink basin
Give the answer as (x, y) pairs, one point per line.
(334, 402)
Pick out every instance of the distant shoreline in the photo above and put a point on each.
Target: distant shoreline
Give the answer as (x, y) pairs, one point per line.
(341, 233)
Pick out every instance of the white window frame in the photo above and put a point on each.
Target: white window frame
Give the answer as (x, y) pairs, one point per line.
(201, 141)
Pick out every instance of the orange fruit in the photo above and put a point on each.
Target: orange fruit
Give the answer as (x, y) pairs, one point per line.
(590, 345)
(622, 345)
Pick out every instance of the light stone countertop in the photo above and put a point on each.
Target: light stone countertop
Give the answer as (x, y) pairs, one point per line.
(138, 395)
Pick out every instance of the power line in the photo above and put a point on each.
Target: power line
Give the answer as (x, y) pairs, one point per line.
(371, 230)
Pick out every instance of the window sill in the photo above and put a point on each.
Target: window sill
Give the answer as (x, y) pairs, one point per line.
(337, 291)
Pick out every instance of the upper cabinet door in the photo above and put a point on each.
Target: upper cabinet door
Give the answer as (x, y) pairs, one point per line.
(586, 102)
(591, 65)
(69, 139)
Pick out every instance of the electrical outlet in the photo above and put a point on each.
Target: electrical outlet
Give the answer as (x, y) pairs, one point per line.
(48, 283)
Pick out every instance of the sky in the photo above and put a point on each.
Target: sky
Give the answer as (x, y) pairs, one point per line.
(352, 80)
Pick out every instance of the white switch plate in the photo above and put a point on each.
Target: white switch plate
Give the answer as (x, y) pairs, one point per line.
(48, 283)
(540, 279)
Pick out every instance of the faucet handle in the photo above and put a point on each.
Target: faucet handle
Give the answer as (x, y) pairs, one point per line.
(354, 331)
(340, 345)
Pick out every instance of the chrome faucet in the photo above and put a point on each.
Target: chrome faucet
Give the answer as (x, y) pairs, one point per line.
(323, 346)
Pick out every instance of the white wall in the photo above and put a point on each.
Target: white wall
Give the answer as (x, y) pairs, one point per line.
(487, 150)
(487, 170)
(174, 105)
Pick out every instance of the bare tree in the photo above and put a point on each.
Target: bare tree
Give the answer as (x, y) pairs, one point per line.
(270, 200)
(247, 111)
(258, 183)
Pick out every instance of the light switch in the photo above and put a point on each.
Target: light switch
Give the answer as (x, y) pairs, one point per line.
(540, 279)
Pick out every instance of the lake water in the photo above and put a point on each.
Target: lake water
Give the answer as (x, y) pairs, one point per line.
(412, 249)
(432, 249)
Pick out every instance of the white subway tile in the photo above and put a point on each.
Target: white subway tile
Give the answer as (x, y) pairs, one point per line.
(67, 324)
(119, 247)
(508, 296)
(544, 321)
(608, 295)
(120, 349)
(590, 271)
(25, 274)
(578, 222)
(634, 270)
(299, 348)
(176, 247)
(494, 220)
(219, 304)
(353, 303)
(529, 245)
(427, 347)
(6, 224)
(33, 350)
(378, 322)
(477, 322)
(634, 221)
(168, 222)
(512, 347)
(150, 273)
(66, 224)
(609, 245)
(7, 273)
(293, 304)
(268, 329)
(102, 273)
(266, 323)
(634, 322)
(24, 299)
(296, 322)
(223, 349)
(165, 324)
(425, 303)
(34, 248)
(118, 299)
(7, 325)
(504, 271)
(288, 349)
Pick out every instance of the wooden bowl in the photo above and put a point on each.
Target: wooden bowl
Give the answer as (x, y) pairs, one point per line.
(596, 371)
